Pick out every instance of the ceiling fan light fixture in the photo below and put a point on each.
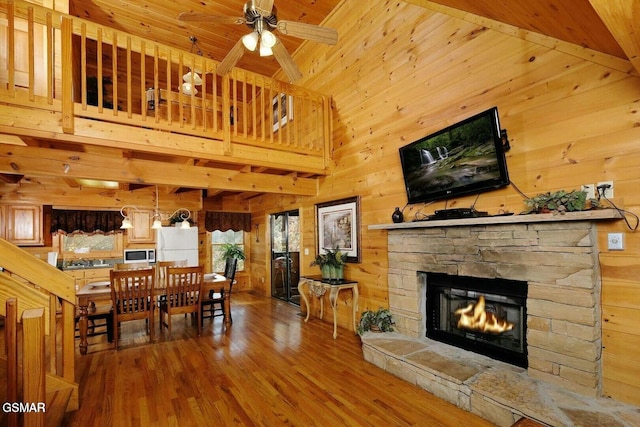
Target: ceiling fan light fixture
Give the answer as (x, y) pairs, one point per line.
(265, 50)
(268, 39)
(250, 41)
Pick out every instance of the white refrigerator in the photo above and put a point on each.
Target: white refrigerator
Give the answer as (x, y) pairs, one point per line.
(177, 244)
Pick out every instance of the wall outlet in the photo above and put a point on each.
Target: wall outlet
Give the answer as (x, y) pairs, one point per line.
(605, 192)
(615, 241)
(590, 189)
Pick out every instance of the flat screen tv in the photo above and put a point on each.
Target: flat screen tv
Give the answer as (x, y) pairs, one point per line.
(465, 158)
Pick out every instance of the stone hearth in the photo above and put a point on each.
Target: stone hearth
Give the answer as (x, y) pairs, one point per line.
(556, 256)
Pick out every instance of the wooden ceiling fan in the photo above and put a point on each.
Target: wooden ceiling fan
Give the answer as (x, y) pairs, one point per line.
(261, 17)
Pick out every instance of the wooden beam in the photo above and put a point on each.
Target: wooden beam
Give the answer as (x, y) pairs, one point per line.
(10, 178)
(35, 161)
(42, 124)
(622, 18)
(11, 139)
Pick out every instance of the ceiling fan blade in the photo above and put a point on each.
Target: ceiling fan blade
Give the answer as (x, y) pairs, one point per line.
(264, 7)
(231, 59)
(212, 19)
(286, 62)
(308, 32)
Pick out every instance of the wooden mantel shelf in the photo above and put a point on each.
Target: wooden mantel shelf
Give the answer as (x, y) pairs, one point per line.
(595, 215)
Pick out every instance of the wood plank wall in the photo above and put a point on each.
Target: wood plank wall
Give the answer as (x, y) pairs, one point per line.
(400, 72)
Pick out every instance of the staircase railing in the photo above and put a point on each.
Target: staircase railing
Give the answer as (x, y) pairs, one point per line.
(33, 366)
(37, 285)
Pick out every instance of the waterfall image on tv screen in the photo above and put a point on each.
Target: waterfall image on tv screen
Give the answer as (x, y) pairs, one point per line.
(464, 158)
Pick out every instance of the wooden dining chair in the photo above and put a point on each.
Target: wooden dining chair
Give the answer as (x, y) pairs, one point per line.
(183, 287)
(132, 297)
(213, 304)
(161, 267)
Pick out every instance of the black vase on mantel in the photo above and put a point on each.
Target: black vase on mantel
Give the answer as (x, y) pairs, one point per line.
(397, 216)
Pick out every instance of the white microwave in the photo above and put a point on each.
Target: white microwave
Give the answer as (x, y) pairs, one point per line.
(139, 255)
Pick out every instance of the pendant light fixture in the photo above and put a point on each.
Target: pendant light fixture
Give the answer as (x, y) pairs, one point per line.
(183, 215)
(192, 78)
(126, 221)
(157, 219)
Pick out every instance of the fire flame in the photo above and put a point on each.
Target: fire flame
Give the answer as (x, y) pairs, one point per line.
(475, 318)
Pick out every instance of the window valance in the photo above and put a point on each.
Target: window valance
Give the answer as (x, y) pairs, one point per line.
(69, 221)
(224, 221)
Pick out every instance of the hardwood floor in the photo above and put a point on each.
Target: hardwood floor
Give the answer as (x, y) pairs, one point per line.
(268, 369)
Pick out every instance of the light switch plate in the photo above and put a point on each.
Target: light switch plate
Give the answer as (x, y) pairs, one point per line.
(615, 241)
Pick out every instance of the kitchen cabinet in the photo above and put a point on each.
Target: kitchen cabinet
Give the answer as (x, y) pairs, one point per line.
(23, 225)
(96, 275)
(83, 277)
(141, 231)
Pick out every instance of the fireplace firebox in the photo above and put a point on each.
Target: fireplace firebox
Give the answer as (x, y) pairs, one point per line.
(487, 316)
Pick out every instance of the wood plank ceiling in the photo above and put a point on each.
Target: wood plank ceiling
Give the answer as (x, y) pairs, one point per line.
(594, 24)
(582, 22)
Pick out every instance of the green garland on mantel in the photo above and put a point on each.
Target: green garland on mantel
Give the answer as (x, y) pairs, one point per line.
(560, 201)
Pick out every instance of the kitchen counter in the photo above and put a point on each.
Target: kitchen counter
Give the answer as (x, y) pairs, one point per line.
(85, 267)
(89, 265)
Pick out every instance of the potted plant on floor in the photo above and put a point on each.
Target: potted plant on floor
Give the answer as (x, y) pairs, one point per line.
(379, 320)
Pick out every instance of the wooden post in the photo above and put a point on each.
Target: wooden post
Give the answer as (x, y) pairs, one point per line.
(226, 106)
(34, 370)
(11, 348)
(67, 77)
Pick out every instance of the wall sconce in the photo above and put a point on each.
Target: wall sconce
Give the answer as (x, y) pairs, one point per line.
(257, 233)
(151, 99)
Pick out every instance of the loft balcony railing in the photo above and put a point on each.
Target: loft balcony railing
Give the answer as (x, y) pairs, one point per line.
(57, 62)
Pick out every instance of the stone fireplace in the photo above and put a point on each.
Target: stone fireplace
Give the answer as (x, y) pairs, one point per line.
(555, 256)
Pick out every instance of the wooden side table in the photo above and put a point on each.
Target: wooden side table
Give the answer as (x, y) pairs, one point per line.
(315, 286)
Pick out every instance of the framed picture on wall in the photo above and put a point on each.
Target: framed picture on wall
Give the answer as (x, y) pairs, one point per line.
(286, 110)
(338, 227)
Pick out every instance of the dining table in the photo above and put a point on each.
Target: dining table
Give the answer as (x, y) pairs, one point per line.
(96, 292)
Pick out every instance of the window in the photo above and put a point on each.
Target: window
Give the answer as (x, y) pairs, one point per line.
(98, 244)
(220, 238)
(93, 242)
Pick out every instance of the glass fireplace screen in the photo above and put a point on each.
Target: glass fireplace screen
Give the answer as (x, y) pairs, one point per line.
(487, 316)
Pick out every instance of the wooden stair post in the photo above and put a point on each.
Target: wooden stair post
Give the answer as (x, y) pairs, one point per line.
(11, 348)
(34, 367)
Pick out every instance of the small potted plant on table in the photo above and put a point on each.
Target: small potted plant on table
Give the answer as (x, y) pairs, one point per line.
(331, 264)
